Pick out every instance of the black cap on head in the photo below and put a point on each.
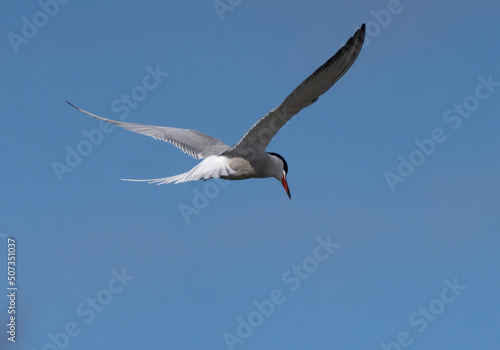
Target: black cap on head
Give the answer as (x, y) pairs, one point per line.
(285, 165)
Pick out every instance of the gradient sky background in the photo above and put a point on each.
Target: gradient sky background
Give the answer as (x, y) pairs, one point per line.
(193, 280)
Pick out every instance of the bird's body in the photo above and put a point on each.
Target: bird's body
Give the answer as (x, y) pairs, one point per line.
(248, 158)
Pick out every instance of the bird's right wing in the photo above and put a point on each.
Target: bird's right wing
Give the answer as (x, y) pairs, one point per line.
(197, 144)
(259, 136)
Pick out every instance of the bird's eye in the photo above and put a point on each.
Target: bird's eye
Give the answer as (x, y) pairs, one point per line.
(314, 100)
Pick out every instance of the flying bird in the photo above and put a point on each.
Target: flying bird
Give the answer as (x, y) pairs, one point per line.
(248, 157)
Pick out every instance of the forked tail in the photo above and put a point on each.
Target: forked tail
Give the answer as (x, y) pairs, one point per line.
(211, 167)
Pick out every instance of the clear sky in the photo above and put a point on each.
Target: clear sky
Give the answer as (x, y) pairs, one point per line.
(391, 238)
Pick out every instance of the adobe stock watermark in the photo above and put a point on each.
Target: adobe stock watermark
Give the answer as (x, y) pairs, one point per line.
(88, 309)
(424, 316)
(31, 26)
(291, 279)
(201, 198)
(94, 137)
(381, 20)
(454, 118)
(223, 6)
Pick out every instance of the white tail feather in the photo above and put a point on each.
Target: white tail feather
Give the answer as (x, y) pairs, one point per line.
(211, 167)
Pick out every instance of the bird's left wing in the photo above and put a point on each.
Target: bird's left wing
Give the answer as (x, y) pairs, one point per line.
(197, 144)
(304, 95)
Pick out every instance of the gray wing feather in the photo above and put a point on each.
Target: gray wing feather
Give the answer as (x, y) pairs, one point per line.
(304, 95)
(197, 144)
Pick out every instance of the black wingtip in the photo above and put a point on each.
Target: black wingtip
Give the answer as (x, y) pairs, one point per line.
(361, 32)
(72, 105)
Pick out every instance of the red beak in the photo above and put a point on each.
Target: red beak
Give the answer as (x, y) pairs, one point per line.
(285, 185)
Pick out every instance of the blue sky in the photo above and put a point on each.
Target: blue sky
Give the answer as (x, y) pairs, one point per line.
(385, 244)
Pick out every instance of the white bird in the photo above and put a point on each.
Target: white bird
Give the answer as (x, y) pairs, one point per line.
(248, 158)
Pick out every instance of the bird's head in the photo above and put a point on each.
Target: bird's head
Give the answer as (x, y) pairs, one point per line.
(281, 171)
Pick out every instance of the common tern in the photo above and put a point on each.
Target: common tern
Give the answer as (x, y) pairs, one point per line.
(248, 157)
